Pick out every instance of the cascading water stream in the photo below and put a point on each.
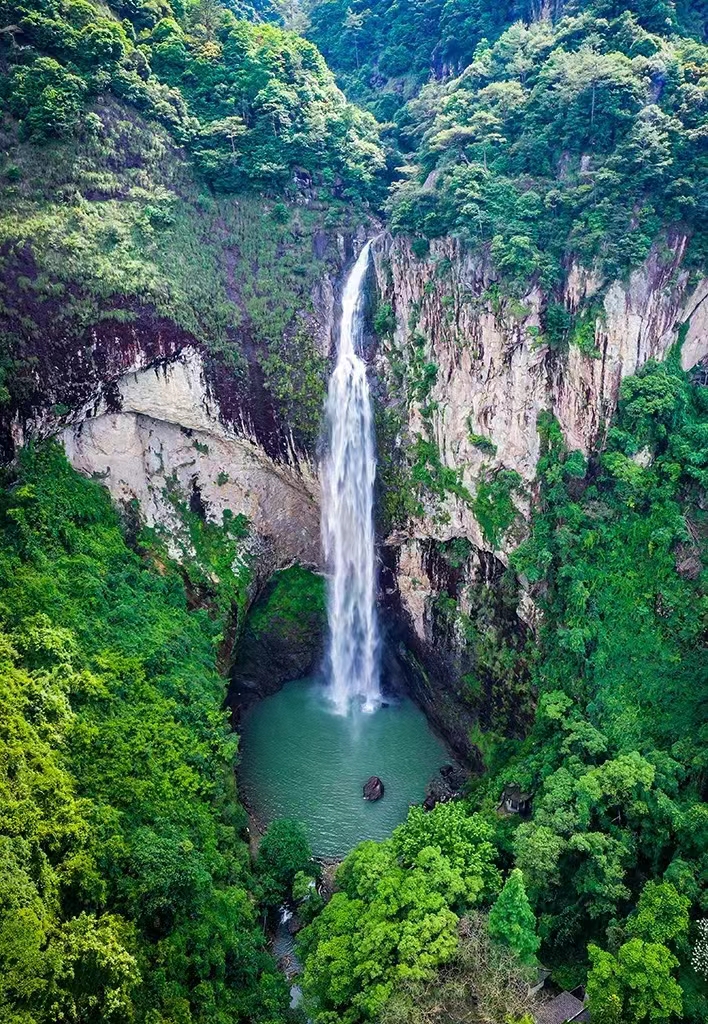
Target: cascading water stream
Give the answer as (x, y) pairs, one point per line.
(347, 519)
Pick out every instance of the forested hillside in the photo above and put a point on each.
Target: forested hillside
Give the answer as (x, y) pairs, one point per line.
(186, 175)
(250, 102)
(125, 889)
(126, 135)
(577, 137)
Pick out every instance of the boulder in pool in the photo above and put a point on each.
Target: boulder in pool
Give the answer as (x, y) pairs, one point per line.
(373, 788)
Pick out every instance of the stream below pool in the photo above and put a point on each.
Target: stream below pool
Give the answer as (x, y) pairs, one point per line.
(299, 759)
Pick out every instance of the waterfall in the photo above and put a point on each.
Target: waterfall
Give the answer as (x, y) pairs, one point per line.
(347, 518)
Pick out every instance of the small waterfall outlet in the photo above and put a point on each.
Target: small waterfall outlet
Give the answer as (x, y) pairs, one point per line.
(347, 517)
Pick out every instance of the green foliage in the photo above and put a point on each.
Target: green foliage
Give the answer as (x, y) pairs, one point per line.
(125, 889)
(456, 552)
(48, 98)
(512, 921)
(635, 985)
(617, 755)
(394, 917)
(252, 103)
(430, 475)
(661, 915)
(493, 504)
(484, 444)
(292, 604)
(396, 496)
(383, 51)
(557, 325)
(384, 320)
(483, 983)
(283, 853)
(567, 138)
(493, 659)
(308, 899)
(420, 247)
(295, 371)
(156, 245)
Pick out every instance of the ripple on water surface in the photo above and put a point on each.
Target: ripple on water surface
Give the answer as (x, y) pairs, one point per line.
(301, 760)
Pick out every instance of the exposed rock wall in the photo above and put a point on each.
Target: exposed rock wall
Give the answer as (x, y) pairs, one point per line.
(495, 375)
(165, 434)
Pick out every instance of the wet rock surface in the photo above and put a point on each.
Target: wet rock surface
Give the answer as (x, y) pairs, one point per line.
(373, 788)
(447, 785)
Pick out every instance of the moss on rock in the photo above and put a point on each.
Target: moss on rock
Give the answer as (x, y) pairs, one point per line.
(284, 635)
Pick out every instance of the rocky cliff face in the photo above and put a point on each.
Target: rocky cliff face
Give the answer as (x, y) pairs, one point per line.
(158, 418)
(492, 371)
(162, 418)
(496, 370)
(165, 438)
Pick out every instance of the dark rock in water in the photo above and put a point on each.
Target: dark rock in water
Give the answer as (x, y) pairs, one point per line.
(294, 924)
(373, 788)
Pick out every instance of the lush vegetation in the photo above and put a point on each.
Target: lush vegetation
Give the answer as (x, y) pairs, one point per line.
(125, 888)
(284, 854)
(384, 52)
(576, 136)
(113, 236)
(395, 914)
(617, 757)
(251, 102)
(127, 892)
(606, 881)
(294, 603)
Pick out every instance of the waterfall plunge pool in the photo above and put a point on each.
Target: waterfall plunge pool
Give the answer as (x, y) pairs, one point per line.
(299, 759)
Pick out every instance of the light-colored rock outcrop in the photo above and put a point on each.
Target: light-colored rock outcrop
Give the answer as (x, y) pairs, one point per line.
(496, 374)
(168, 442)
(695, 346)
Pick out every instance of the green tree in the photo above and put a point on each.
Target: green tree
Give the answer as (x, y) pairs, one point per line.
(396, 913)
(48, 97)
(637, 985)
(95, 974)
(283, 852)
(512, 921)
(661, 914)
(483, 983)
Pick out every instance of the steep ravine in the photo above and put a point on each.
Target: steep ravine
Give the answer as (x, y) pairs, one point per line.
(157, 419)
